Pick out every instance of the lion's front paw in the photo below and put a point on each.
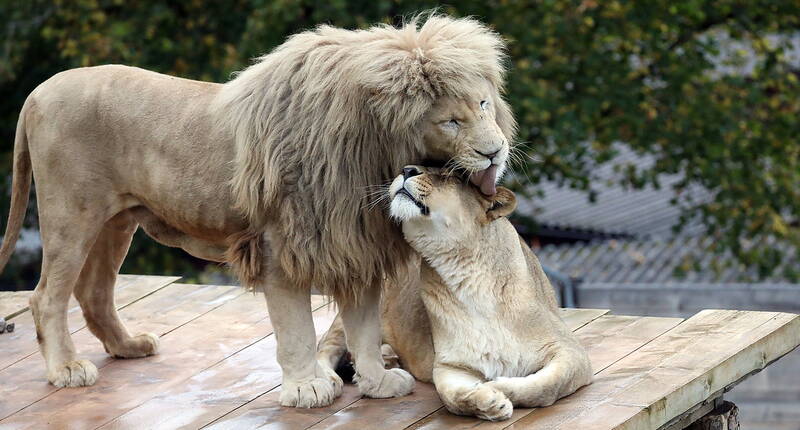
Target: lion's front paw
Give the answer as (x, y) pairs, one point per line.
(78, 373)
(312, 393)
(490, 404)
(134, 347)
(393, 383)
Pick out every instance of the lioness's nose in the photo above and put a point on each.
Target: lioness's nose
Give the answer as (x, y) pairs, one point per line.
(410, 172)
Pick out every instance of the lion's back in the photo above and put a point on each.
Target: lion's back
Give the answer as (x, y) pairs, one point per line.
(133, 132)
(109, 88)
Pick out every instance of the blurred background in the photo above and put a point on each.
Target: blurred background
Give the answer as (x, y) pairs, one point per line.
(659, 168)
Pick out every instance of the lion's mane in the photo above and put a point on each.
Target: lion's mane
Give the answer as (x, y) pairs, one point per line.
(332, 112)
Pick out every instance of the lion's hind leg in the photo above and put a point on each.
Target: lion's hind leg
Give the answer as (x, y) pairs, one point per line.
(67, 238)
(562, 376)
(95, 291)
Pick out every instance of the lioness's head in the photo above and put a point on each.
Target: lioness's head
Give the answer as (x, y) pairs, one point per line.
(444, 208)
(465, 132)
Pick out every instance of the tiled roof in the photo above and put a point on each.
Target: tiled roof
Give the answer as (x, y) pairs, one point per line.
(650, 261)
(617, 210)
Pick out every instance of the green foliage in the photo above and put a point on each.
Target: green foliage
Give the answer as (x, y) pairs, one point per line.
(583, 75)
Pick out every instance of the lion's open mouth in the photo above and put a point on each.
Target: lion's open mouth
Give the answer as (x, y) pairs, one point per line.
(404, 192)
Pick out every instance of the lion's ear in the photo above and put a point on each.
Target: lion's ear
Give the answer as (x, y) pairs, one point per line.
(503, 203)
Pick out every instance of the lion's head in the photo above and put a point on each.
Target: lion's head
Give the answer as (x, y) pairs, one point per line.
(442, 209)
(465, 132)
(332, 113)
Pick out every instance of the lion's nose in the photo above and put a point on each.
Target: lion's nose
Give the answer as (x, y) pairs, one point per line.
(490, 156)
(410, 172)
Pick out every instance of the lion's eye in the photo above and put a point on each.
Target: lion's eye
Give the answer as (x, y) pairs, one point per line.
(453, 122)
(484, 104)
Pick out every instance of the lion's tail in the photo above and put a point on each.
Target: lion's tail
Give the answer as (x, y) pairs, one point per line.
(20, 188)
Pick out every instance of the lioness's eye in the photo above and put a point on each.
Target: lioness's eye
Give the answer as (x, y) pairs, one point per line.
(484, 103)
(453, 122)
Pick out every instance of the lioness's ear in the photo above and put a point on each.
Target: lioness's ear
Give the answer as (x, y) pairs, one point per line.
(504, 202)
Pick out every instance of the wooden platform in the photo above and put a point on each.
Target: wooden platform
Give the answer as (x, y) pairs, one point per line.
(217, 368)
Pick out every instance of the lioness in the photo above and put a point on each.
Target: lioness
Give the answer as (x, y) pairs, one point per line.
(491, 337)
(270, 171)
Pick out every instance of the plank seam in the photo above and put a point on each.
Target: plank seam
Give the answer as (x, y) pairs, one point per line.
(84, 325)
(187, 322)
(720, 363)
(640, 377)
(216, 420)
(592, 320)
(215, 363)
(611, 364)
(573, 331)
(82, 328)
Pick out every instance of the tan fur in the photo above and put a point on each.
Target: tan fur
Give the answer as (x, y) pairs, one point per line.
(290, 150)
(247, 254)
(481, 320)
(320, 135)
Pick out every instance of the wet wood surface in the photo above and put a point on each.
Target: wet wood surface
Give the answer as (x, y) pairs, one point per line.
(216, 368)
(14, 303)
(22, 342)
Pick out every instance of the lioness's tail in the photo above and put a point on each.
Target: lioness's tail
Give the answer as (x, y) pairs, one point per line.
(562, 376)
(20, 187)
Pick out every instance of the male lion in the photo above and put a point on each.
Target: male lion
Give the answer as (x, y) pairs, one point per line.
(481, 320)
(277, 161)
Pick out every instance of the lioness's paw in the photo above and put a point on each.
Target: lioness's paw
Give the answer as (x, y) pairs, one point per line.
(390, 358)
(335, 379)
(134, 347)
(313, 393)
(393, 383)
(78, 373)
(490, 404)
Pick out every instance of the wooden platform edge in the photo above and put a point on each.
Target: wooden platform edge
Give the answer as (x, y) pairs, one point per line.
(759, 346)
(701, 409)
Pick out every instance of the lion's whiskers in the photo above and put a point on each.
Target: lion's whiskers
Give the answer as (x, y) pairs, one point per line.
(451, 166)
(519, 160)
(375, 195)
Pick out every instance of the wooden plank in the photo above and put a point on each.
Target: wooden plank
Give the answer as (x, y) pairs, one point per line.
(13, 303)
(265, 412)
(719, 357)
(425, 401)
(266, 409)
(392, 414)
(221, 389)
(185, 351)
(674, 372)
(607, 340)
(576, 318)
(22, 342)
(25, 383)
